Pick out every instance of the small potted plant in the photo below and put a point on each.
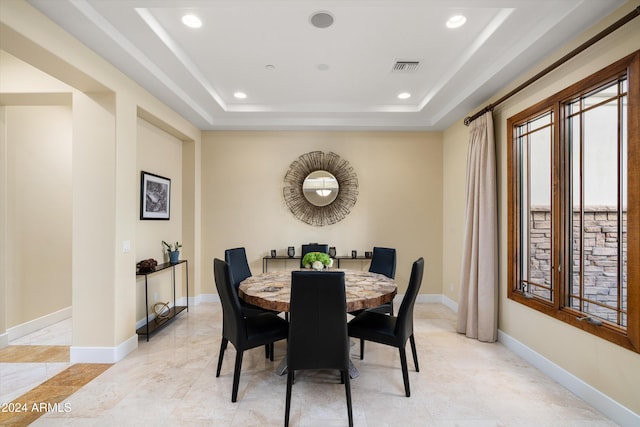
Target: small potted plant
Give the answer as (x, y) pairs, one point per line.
(173, 250)
(317, 260)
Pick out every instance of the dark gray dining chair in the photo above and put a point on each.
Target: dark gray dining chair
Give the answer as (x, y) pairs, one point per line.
(391, 330)
(238, 264)
(318, 329)
(313, 247)
(243, 332)
(236, 258)
(383, 261)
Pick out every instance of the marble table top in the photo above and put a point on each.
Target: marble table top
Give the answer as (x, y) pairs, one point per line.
(272, 290)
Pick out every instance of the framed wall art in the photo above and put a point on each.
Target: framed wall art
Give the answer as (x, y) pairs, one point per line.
(155, 196)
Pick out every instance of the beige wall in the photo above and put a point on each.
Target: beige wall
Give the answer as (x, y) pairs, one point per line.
(4, 236)
(607, 367)
(159, 153)
(399, 201)
(36, 194)
(39, 237)
(105, 191)
(453, 206)
(94, 227)
(233, 183)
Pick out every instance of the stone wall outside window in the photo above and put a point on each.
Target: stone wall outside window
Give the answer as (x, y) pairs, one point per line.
(600, 258)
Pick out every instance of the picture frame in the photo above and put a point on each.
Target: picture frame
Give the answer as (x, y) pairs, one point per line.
(155, 196)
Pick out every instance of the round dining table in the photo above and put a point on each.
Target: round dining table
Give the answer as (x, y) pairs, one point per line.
(272, 290)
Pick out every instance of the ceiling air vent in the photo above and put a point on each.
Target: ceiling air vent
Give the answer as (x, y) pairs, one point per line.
(405, 66)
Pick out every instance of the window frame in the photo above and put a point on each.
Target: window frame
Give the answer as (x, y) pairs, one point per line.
(561, 211)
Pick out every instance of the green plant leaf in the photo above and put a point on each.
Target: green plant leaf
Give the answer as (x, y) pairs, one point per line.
(310, 257)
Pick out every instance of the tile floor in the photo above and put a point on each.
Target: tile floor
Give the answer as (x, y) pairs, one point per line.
(170, 380)
(18, 378)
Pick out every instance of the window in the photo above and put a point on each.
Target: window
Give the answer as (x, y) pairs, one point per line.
(574, 196)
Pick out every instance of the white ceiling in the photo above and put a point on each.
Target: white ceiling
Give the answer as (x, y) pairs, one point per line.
(337, 78)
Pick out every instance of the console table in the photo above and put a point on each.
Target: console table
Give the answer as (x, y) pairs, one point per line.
(336, 260)
(157, 323)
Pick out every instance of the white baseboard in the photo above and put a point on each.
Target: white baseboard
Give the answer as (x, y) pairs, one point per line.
(26, 328)
(422, 298)
(603, 403)
(208, 298)
(430, 299)
(450, 303)
(103, 354)
(4, 340)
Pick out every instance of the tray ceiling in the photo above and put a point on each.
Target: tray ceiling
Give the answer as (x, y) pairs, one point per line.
(344, 76)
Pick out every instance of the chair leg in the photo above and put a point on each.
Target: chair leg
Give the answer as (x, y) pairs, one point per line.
(347, 387)
(271, 351)
(236, 376)
(266, 351)
(412, 340)
(361, 349)
(405, 371)
(223, 347)
(287, 408)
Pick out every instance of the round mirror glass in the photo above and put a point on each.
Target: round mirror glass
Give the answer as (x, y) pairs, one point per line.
(320, 188)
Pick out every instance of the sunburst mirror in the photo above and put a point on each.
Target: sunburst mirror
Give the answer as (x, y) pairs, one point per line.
(320, 188)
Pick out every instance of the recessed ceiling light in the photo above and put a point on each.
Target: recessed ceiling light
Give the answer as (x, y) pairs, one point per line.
(321, 19)
(270, 67)
(404, 95)
(240, 95)
(191, 21)
(456, 21)
(322, 67)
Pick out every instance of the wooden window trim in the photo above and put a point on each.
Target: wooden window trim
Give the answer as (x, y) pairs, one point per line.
(630, 338)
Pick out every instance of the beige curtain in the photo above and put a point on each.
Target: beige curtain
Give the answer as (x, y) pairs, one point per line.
(478, 300)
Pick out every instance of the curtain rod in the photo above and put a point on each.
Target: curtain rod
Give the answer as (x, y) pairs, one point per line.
(619, 23)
